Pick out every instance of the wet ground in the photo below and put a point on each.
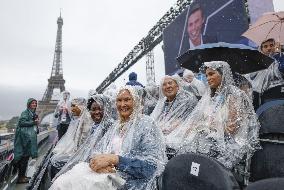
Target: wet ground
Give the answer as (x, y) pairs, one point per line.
(32, 166)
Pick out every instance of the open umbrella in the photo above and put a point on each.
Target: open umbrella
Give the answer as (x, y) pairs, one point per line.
(242, 59)
(269, 25)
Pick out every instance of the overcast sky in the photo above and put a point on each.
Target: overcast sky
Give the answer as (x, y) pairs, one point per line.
(97, 35)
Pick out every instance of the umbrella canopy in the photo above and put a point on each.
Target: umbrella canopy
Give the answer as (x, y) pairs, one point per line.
(269, 25)
(242, 59)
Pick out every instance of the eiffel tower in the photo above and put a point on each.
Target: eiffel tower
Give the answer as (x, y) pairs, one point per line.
(47, 105)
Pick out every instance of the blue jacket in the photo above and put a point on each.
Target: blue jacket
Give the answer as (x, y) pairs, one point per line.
(133, 80)
(280, 59)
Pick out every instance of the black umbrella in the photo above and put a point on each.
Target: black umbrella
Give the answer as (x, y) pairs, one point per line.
(242, 59)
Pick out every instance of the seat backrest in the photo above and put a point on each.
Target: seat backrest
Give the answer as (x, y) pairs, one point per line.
(267, 184)
(4, 166)
(275, 93)
(267, 162)
(270, 116)
(256, 100)
(194, 171)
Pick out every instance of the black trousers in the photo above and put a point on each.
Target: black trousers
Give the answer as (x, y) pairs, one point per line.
(62, 130)
(22, 165)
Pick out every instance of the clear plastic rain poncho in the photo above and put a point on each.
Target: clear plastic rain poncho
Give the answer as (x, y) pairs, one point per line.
(76, 134)
(91, 93)
(223, 125)
(138, 140)
(169, 116)
(62, 113)
(196, 86)
(265, 79)
(242, 83)
(106, 105)
(87, 148)
(111, 92)
(151, 98)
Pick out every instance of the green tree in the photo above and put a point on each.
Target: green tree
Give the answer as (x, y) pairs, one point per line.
(12, 123)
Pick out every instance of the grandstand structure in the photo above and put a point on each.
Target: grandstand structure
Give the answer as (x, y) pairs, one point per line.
(150, 70)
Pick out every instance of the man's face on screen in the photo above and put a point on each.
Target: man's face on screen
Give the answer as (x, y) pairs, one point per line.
(194, 25)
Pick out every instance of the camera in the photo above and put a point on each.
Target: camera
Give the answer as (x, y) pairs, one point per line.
(35, 117)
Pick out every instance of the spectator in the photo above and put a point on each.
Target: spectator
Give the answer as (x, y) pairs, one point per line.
(173, 107)
(151, 99)
(223, 125)
(273, 75)
(25, 143)
(76, 134)
(196, 85)
(267, 47)
(62, 114)
(243, 84)
(133, 80)
(100, 109)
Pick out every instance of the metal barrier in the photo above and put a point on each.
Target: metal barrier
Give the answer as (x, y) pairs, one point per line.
(36, 182)
(9, 145)
(7, 173)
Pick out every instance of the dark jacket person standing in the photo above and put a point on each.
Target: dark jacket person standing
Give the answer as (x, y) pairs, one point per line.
(25, 144)
(133, 80)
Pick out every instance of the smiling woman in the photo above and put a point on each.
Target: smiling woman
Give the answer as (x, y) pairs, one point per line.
(124, 104)
(214, 78)
(76, 135)
(96, 112)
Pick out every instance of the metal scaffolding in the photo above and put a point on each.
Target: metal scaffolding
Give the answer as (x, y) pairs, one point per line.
(153, 38)
(150, 70)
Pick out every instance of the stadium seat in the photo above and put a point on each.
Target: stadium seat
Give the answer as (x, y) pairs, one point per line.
(268, 162)
(275, 93)
(267, 184)
(194, 171)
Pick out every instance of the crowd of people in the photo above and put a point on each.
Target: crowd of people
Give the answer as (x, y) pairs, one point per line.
(123, 138)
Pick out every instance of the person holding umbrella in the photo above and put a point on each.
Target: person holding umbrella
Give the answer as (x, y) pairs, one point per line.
(271, 48)
(267, 47)
(268, 26)
(273, 75)
(267, 32)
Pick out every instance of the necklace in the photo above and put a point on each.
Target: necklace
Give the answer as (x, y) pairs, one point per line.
(122, 129)
(168, 106)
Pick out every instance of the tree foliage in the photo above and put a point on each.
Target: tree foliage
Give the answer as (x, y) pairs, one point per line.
(13, 122)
